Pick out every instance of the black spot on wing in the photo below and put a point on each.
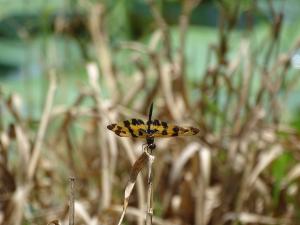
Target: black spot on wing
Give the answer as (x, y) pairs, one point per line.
(140, 121)
(137, 122)
(111, 126)
(155, 131)
(175, 130)
(128, 125)
(133, 121)
(118, 132)
(195, 130)
(164, 124)
(141, 132)
(164, 132)
(184, 130)
(156, 122)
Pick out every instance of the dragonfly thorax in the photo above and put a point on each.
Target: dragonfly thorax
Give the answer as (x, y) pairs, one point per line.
(150, 143)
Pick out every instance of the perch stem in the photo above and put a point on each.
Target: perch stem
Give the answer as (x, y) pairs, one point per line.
(150, 189)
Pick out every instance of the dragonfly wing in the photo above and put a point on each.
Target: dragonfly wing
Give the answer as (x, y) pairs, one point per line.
(129, 128)
(138, 128)
(163, 129)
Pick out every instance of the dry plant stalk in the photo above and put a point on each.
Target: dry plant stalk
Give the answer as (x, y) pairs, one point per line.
(135, 170)
(42, 128)
(229, 167)
(100, 39)
(71, 201)
(145, 158)
(150, 190)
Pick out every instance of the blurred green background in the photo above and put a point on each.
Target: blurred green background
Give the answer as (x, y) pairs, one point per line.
(30, 43)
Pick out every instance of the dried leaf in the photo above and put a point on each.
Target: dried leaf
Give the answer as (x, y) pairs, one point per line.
(140, 163)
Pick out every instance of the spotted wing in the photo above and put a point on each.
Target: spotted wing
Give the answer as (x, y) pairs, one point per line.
(163, 129)
(138, 128)
(129, 128)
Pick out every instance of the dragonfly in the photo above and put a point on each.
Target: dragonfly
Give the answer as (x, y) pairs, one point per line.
(150, 129)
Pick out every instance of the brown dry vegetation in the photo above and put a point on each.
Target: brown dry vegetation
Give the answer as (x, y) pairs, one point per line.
(222, 176)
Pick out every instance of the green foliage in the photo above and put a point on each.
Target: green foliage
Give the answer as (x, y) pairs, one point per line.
(280, 167)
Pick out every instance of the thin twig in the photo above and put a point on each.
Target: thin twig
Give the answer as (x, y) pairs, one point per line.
(163, 26)
(71, 203)
(150, 190)
(42, 128)
(100, 39)
(184, 20)
(101, 138)
(131, 211)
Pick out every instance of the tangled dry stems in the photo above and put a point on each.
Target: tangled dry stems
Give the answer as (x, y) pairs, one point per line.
(223, 176)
